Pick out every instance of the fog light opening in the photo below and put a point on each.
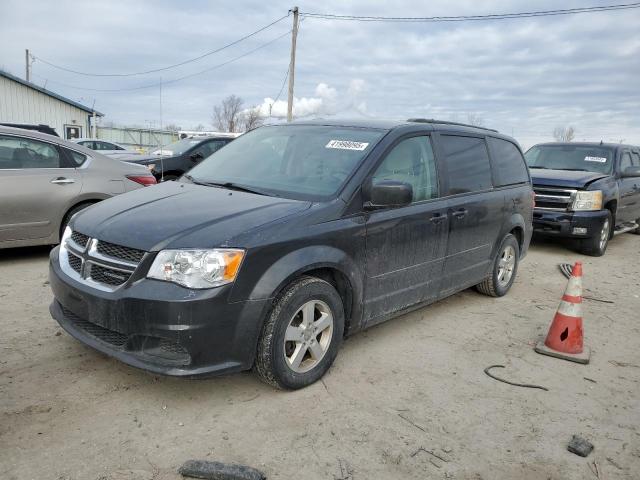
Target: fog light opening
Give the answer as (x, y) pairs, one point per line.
(579, 230)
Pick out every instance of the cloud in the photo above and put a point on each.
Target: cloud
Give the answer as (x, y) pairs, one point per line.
(325, 102)
(523, 77)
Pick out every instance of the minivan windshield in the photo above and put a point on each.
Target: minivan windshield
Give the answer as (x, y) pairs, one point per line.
(308, 162)
(570, 157)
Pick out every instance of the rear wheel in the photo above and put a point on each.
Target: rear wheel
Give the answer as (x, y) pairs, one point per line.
(302, 335)
(71, 213)
(504, 270)
(636, 230)
(597, 245)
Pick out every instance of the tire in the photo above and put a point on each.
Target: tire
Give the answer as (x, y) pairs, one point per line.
(276, 360)
(596, 246)
(636, 231)
(504, 270)
(71, 213)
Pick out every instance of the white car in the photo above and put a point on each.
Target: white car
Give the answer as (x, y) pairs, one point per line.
(111, 149)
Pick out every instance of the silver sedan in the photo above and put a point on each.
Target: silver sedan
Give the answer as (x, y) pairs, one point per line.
(45, 180)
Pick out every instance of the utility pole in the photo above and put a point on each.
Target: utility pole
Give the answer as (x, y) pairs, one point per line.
(27, 66)
(292, 64)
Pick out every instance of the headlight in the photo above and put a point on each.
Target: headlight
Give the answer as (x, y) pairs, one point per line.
(585, 201)
(197, 268)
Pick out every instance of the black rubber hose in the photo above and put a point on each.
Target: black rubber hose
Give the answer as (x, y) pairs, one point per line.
(526, 385)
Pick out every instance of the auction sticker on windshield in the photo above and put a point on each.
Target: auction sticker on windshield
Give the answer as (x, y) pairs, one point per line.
(595, 159)
(346, 145)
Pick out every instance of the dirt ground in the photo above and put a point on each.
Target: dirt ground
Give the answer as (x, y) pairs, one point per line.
(405, 400)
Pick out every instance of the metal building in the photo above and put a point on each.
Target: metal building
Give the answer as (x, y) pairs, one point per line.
(25, 102)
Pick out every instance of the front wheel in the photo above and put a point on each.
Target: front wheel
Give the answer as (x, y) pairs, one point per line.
(596, 246)
(504, 270)
(302, 335)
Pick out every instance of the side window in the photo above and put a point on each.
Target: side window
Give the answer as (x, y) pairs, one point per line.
(625, 161)
(507, 162)
(18, 153)
(77, 159)
(468, 168)
(635, 159)
(211, 147)
(411, 161)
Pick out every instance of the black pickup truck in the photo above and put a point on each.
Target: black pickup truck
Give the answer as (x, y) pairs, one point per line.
(585, 191)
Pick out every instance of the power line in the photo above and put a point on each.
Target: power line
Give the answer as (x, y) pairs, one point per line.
(167, 82)
(224, 47)
(465, 18)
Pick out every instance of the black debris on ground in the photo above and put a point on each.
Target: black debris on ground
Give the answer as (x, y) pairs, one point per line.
(219, 471)
(579, 446)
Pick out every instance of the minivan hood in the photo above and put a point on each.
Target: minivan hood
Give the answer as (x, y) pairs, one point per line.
(181, 215)
(564, 178)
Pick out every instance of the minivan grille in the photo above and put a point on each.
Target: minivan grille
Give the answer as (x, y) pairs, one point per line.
(80, 239)
(554, 198)
(102, 264)
(120, 252)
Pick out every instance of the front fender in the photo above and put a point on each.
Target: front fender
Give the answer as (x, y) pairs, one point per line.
(296, 263)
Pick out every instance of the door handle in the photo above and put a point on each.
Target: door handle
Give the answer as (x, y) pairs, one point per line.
(461, 213)
(63, 181)
(437, 218)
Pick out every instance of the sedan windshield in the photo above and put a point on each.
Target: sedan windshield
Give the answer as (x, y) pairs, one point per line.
(179, 147)
(293, 161)
(570, 157)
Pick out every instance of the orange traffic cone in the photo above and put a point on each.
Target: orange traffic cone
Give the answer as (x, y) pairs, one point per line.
(564, 339)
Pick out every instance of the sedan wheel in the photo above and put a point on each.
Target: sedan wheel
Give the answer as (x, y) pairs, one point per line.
(506, 265)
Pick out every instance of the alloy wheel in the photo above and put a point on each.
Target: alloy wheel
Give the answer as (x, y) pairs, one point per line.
(308, 336)
(506, 265)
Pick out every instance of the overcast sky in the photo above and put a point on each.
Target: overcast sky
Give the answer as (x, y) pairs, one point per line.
(523, 77)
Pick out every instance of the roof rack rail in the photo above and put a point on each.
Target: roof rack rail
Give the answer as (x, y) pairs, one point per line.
(444, 122)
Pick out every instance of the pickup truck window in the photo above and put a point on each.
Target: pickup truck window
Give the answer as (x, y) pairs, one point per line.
(468, 168)
(570, 157)
(508, 165)
(625, 161)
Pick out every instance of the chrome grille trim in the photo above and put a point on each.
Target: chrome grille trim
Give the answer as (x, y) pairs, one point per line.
(554, 198)
(89, 256)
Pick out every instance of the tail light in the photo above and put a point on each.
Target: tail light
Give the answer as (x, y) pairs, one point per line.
(145, 180)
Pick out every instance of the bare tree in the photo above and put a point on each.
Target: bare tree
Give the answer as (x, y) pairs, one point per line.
(251, 118)
(172, 127)
(475, 120)
(226, 115)
(564, 134)
(198, 128)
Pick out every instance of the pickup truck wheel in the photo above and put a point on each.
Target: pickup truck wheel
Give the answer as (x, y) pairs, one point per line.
(597, 245)
(504, 269)
(302, 335)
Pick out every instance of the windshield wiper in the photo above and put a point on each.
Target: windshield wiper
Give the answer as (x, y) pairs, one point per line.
(542, 168)
(234, 186)
(575, 169)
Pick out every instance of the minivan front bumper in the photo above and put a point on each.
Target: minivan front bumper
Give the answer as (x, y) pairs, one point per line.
(568, 224)
(159, 326)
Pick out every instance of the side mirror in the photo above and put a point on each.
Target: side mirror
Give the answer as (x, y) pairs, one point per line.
(197, 156)
(389, 193)
(631, 172)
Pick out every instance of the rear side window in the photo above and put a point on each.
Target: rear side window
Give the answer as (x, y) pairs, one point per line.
(76, 158)
(625, 161)
(508, 164)
(467, 162)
